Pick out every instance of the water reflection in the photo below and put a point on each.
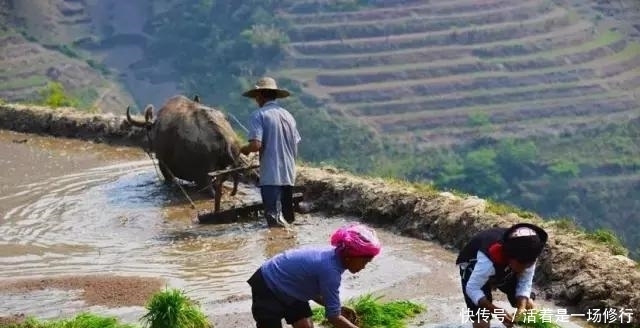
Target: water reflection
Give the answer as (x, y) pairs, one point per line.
(122, 219)
(278, 240)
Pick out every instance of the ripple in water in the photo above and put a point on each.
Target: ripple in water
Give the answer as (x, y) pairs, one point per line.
(100, 219)
(121, 219)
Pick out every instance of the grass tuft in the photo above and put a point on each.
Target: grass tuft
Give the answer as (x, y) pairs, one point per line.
(82, 320)
(373, 313)
(610, 239)
(503, 209)
(566, 224)
(171, 308)
(423, 189)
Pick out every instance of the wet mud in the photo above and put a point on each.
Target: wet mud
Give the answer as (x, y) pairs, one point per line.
(91, 209)
(110, 291)
(91, 227)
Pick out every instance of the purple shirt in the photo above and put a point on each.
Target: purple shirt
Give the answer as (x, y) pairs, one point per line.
(303, 274)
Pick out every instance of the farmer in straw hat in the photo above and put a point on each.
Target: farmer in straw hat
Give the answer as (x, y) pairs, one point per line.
(502, 258)
(283, 286)
(273, 133)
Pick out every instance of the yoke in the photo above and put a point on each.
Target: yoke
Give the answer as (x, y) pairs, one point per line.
(216, 174)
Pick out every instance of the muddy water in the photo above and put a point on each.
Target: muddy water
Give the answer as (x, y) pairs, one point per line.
(72, 209)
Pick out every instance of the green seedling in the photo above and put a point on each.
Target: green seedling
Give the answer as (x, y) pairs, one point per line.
(173, 309)
(373, 313)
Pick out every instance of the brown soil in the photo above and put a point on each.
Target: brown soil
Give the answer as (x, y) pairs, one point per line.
(489, 33)
(30, 59)
(243, 319)
(349, 30)
(446, 86)
(13, 319)
(583, 63)
(109, 291)
(577, 32)
(557, 91)
(573, 270)
(432, 10)
(70, 123)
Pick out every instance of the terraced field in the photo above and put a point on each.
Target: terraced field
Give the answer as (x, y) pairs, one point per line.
(442, 72)
(26, 68)
(44, 52)
(60, 21)
(629, 10)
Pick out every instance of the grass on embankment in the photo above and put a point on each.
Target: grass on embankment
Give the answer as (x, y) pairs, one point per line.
(604, 237)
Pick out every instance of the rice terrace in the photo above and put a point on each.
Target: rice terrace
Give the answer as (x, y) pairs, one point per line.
(428, 120)
(417, 70)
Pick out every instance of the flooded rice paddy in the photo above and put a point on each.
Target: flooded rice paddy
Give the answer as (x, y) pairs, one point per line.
(86, 226)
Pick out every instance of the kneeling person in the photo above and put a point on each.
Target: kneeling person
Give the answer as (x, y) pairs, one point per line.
(283, 286)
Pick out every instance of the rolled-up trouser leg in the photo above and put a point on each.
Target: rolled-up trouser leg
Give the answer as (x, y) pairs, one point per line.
(287, 204)
(270, 201)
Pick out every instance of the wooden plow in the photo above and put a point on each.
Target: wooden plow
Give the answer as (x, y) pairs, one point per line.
(240, 211)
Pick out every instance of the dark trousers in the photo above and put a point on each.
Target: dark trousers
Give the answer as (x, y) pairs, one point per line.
(508, 286)
(276, 200)
(268, 310)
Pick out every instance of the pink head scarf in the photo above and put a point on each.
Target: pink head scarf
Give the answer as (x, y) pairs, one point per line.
(356, 240)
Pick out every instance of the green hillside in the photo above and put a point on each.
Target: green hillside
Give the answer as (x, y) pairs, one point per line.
(535, 103)
(32, 56)
(417, 72)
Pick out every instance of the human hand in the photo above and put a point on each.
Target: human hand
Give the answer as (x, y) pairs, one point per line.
(350, 314)
(508, 320)
(504, 317)
(520, 311)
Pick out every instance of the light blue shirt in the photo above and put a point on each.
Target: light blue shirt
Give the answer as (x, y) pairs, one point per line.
(276, 129)
(303, 274)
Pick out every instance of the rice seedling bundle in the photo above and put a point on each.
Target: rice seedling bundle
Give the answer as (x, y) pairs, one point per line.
(172, 309)
(372, 313)
(534, 319)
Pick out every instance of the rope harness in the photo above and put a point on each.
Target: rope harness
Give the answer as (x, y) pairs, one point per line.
(164, 166)
(173, 178)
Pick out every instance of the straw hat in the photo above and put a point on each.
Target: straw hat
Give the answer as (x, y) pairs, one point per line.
(266, 83)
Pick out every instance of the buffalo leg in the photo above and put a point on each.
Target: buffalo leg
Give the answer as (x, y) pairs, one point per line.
(165, 172)
(236, 181)
(217, 188)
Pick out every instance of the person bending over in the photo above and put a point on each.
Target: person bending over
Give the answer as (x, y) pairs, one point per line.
(283, 286)
(504, 259)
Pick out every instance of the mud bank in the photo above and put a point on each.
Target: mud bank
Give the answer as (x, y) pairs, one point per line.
(69, 123)
(573, 271)
(96, 289)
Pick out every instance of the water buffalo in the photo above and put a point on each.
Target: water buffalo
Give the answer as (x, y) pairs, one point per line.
(190, 140)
